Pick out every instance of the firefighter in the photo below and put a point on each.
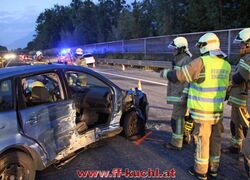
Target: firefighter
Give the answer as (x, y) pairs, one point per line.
(80, 61)
(176, 93)
(240, 79)
(39, 56)
(39, 59)
(208, 78)
(238, 95)
(246, 143)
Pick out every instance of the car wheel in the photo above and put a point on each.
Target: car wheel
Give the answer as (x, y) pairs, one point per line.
(130, 125)
(17, 166)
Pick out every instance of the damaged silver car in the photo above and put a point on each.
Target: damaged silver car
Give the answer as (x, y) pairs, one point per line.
(49, 112)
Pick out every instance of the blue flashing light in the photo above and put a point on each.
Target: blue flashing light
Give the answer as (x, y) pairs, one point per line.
(63, 52)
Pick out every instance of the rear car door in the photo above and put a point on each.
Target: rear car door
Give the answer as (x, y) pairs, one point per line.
(47, 115)
(8, 115)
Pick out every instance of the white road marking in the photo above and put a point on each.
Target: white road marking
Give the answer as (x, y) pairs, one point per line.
(133, 78)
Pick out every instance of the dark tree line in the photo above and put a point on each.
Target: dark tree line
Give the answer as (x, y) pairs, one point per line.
(83, 22)
(3, 48)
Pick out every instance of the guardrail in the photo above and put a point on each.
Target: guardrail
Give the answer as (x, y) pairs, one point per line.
(142, 63)
(156, 45)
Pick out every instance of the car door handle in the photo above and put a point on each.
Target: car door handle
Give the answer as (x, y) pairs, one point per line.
(32, 120)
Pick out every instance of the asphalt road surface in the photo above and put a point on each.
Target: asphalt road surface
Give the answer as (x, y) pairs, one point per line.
(117, 152)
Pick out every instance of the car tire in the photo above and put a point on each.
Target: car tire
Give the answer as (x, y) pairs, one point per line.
(16, 165)
(130, 124)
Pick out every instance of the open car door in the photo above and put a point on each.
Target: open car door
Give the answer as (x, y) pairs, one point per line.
(93, 98)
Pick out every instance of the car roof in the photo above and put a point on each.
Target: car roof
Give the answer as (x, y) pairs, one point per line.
(16, 71)
(29, 69)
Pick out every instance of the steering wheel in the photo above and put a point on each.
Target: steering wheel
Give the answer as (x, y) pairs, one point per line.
(55, 93)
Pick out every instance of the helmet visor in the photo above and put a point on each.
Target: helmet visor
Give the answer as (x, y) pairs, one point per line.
(172, 45)
(237, 40)
(200, 44)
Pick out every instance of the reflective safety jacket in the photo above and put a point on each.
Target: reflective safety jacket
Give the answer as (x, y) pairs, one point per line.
(206, 97)
(80, 61)
(177, 92)
(239, 89)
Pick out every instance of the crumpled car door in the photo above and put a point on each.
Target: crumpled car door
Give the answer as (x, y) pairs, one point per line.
(51, 125)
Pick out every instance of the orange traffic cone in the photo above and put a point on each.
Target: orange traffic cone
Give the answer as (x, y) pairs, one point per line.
(139, 85)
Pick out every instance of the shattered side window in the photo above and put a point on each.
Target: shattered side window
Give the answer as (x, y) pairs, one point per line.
(6, 96)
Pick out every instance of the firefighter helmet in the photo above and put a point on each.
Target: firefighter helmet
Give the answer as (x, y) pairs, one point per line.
(244, 39)
(180, 43)
(243, 36)
(79, 51)
(39, 53)
(37, 84)
(208, 42)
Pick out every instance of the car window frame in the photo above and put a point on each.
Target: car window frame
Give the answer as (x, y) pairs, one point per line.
(87, 73)
(22, 104)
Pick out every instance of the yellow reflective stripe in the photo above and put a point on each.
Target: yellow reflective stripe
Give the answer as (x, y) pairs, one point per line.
(190, 79)
(185, 90)
(177, 67)
(202, 75)
(244, 65)
(201, 161)
(208, 100)
(206, 112)
(186, 73)
(198, 155)
(174, 99)
(177, 136)
(214, 158)
(243, 61)
(206, 116)
(198, 158)
(179, 126)
(208, 89)
(235, 141)
(237, 101)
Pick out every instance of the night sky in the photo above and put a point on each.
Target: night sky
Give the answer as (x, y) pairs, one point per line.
(18, 17)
